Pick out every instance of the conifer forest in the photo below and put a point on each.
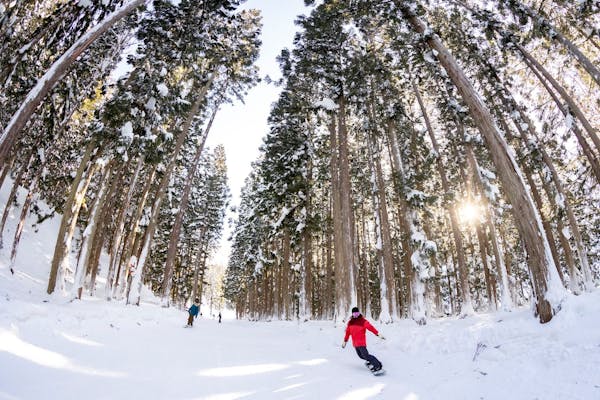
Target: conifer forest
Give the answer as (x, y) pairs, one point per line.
(425, 158)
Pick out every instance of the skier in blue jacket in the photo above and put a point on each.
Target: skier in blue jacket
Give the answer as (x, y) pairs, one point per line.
(193, 312)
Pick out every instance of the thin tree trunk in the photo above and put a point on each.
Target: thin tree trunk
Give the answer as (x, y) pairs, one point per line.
(307, 310)
(5, 170)
(403, 221)
(133, 236)
(98, 237)
(345, 275)
(565, 196)
(506, 300)
(388, 284)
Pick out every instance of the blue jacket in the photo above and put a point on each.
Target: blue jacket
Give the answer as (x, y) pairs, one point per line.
(194, 310)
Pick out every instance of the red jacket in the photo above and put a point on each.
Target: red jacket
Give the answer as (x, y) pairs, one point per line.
(357, 328)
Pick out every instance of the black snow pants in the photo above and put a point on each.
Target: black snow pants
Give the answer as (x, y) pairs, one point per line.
(364, 354)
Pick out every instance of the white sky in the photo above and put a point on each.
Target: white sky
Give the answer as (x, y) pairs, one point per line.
(241, 127)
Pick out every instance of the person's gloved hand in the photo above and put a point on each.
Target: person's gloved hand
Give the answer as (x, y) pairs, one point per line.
(343, 344)
(381, 336)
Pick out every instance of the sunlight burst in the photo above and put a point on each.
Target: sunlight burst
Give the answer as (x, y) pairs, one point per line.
(470, 212)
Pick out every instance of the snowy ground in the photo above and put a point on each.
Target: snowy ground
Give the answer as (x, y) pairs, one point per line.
(54, 349)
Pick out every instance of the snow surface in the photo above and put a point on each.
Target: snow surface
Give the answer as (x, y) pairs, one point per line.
(51, 348)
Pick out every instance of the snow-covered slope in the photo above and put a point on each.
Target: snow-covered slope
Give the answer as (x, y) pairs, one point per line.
(51, 348)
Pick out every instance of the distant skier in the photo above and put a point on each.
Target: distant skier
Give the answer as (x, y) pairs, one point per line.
(219, 317)
(357, 328)
(193, 312)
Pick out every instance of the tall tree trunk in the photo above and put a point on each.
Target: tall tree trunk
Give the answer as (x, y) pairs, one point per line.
(548, 292)
(67, 225)
(118, 233)
(88, 236)
(506, 300)
(307, 256)
(346, 280)
(403, 221)
(546, 224)
(132, 238)
(465, 290)
(183, 205)
(389, 311)
(98, 237)
(287, 293)
(566, 202)
(58, 69)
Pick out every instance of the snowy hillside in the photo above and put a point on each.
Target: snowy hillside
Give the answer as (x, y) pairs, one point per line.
(54, 349)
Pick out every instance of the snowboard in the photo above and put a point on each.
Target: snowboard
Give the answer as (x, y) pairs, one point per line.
(376, 373)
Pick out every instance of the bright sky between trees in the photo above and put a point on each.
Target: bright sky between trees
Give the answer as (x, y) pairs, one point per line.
(241, 127)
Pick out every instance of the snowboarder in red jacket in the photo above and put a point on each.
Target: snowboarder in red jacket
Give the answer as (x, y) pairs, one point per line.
(357, 328)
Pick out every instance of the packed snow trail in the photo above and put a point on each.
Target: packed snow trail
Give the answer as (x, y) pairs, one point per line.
(51, 348)
(106, 350)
